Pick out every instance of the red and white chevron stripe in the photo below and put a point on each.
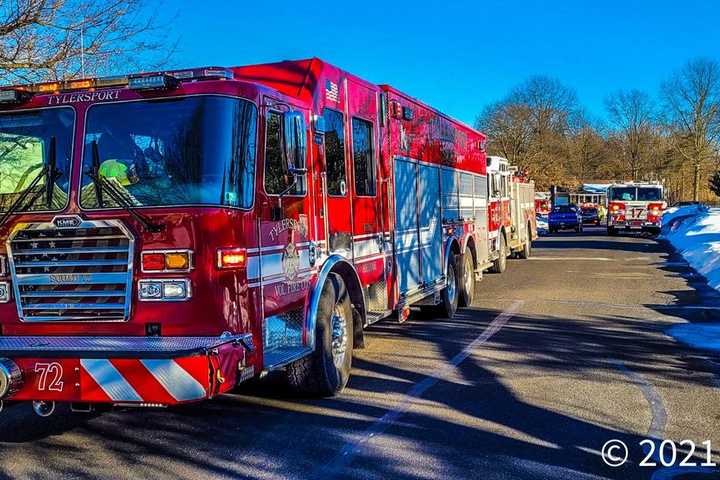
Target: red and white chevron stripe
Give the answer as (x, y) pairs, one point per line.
(166, 381)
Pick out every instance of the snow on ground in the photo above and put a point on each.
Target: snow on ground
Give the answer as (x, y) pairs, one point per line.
(694, 231)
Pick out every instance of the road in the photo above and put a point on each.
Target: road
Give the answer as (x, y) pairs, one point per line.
(560, 354)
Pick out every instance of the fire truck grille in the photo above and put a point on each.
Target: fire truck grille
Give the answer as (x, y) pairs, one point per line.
(82, 273)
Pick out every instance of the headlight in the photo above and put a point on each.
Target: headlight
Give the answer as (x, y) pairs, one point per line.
(168, 290)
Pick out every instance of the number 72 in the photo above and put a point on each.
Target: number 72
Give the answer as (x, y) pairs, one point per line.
(52, 372)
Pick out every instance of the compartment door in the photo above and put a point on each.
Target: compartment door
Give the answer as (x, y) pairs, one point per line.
(430, 224)
(407, 242)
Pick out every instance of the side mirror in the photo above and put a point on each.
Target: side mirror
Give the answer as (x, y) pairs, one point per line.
(295, 142)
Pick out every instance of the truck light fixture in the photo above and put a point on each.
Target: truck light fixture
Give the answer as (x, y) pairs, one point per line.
(116, 81)
(4, 292)
(79, 84)
(3, 266)
(617, 207)
(52, 87)
(153, 82)
(160, 261)
(231, 258)
(14, 96)
(175, 290)
(655, 209)
(165, 290)
(10, 377)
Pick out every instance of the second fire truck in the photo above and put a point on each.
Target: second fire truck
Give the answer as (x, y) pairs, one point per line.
(166, 236)
(635, 206)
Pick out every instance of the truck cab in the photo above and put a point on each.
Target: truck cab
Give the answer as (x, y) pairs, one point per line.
(635, 207)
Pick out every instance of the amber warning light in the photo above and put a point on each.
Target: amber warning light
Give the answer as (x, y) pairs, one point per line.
(229, 258)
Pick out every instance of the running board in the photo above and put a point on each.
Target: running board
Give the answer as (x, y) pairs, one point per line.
(374, 317)
(280, 357)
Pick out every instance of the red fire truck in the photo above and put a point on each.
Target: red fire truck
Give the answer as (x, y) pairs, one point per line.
(635, 206)
(511, 213)
(166, 236)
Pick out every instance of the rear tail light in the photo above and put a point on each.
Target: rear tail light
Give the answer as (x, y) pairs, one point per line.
(3, 267)
(160, 261)
(231, 258)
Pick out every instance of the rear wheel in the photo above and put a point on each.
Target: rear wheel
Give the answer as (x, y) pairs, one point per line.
(327, 370)
(467, 285)
(500, 264)
(450, 294)
(611, 231)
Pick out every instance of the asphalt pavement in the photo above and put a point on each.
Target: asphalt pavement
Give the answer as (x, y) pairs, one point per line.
(559, 355)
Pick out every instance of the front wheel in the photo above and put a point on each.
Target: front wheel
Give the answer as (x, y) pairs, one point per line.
(326, 371)
(467, 285)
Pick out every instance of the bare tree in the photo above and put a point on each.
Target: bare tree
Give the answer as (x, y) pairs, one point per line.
(588, 152)
(55, 39)
(530, 127)
(509, 129)
(632, 115)
(692, 100)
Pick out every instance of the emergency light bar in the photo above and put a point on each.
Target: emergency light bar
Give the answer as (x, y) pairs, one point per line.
(162, 81)
(155, 81)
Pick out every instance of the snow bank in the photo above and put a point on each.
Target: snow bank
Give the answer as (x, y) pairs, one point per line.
(694, 231)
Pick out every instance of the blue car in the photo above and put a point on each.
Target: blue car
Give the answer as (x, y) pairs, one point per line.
(565, 217)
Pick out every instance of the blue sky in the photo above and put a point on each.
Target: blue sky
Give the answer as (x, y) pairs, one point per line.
(460, 56)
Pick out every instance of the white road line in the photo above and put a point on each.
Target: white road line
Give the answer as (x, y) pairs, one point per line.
(352, 449)
(565, 259)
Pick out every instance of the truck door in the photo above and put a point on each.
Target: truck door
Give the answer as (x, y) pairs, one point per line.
(365, 214)
(282, 265)
(337, 209)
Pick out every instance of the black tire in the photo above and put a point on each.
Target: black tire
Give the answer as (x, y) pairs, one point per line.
(449, 296)
(500, 264)
(526, 250)
(467, 283)
(326, 372)
(611, 231)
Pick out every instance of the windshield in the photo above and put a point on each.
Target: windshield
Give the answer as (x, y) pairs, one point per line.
(623, 193)
(649, 194)
(181, 151)
(25, 140)
(565, 209)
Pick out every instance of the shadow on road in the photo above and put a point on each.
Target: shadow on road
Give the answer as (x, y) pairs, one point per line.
(472, 426)
(260, 432)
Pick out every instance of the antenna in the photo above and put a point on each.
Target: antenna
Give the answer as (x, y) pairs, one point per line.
(82, 48)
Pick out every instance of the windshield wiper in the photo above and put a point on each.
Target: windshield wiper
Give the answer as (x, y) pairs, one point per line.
(23, 195)
(52, 174)
(102, 185)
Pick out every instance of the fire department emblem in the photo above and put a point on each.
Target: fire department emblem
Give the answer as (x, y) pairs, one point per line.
(291, 261)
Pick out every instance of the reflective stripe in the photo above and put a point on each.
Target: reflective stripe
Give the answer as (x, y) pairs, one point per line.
(110, 380)
(175, 379)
